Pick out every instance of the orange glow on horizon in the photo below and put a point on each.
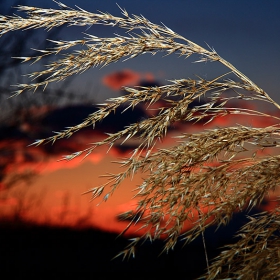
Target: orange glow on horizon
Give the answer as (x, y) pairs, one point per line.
(55, 199)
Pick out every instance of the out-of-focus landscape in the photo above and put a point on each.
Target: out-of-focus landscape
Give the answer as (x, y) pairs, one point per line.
(46, 224)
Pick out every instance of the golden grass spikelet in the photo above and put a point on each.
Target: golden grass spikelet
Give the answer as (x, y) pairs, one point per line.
(256, 255)
(209, 175)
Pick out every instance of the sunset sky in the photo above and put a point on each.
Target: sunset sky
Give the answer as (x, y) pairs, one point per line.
(243, 32)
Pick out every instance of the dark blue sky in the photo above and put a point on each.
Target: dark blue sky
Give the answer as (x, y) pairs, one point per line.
(246, 33)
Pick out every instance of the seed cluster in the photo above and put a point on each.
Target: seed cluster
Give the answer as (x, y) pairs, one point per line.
(205, 177)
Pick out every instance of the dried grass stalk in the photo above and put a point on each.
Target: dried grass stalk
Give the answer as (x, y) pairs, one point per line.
(217, 169)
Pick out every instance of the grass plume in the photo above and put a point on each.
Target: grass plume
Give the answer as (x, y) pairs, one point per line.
(219, 169)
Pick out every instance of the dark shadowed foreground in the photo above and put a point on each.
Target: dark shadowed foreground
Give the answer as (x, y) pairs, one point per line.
(29, 250)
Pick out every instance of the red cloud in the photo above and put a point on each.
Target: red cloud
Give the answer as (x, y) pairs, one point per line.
(118, 79)
(126, 77)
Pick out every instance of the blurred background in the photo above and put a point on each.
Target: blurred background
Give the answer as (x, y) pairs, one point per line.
(45, 222)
